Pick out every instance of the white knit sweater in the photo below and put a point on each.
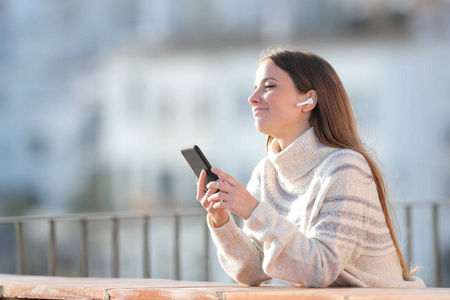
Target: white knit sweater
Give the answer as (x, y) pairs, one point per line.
(319, 222)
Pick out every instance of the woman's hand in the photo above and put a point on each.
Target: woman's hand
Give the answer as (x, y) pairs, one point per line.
(218, 215)
(232, 196)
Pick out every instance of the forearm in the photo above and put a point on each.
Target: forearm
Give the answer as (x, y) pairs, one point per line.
(240, 256)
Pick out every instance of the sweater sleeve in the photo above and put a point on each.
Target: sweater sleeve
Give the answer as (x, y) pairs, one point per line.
(335, 233)
(240, 255)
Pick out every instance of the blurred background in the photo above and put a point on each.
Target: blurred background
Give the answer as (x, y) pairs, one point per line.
(97, 98)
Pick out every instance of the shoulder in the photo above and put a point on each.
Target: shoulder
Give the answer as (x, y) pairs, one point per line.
(344, 161)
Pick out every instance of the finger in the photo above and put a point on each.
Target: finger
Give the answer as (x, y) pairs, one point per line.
(228, 178)
(219, 197)
(221, 204)
(220, 184)
(201, 185)
(210, 192)
(204, 201)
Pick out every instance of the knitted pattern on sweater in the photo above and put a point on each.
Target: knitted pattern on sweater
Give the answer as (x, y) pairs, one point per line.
(319, 222)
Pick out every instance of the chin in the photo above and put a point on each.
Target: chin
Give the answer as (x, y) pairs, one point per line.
(263, 128)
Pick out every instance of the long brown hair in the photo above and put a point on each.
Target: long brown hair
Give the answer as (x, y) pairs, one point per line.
(332, 118)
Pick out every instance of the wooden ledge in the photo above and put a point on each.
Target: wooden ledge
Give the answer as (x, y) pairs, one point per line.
(46, 287)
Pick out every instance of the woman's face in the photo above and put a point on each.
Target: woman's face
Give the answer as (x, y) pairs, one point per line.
(274, 103)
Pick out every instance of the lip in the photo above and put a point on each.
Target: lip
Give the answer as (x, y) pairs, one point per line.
(259, 110)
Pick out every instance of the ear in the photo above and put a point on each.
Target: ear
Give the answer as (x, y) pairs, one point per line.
(309, 107)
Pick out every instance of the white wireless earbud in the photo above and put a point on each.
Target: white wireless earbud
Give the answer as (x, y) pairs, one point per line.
(307, 101)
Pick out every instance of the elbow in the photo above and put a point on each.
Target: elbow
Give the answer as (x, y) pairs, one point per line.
(307, 276)
(248, 276)
(320, 277)
(319, 267)
(249, 279)
(248, 282)
(320, 280)
(306, 281)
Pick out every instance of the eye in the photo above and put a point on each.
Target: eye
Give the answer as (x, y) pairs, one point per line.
(270, 86)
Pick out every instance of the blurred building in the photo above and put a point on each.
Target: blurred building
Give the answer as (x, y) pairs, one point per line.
(96, 98)
(71, 115)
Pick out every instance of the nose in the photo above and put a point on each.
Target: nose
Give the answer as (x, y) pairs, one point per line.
(254, 98)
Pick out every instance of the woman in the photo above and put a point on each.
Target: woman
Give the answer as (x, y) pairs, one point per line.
(315, 209)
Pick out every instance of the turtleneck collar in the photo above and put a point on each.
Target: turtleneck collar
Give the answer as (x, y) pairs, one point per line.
(300, 157)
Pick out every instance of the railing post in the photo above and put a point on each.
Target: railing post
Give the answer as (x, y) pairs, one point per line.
(408, 234)
(146, 251)
(52, 254)
(115, 248)
(437, 250)
(177, 247)
(85, 249)
(20, 266)
(206, 251)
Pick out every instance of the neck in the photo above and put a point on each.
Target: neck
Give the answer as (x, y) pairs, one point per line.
(300, 157)
(286, 139)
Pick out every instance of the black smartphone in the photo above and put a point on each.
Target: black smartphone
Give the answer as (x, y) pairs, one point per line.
(198, 162)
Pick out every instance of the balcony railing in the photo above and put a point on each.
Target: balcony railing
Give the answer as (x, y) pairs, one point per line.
(116, 219)
(435, 248)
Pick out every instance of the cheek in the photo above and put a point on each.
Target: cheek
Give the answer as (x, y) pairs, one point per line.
(283, 109)
(282, 101)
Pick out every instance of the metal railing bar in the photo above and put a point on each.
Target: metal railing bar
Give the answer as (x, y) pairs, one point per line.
(85, 249)
(176, 252)
(408, 234)
(437, 249)
(105, 216)
(145, 248)
(52, 254)
(20, 266)
(206, 245)
(416, 203)
(115, 263)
